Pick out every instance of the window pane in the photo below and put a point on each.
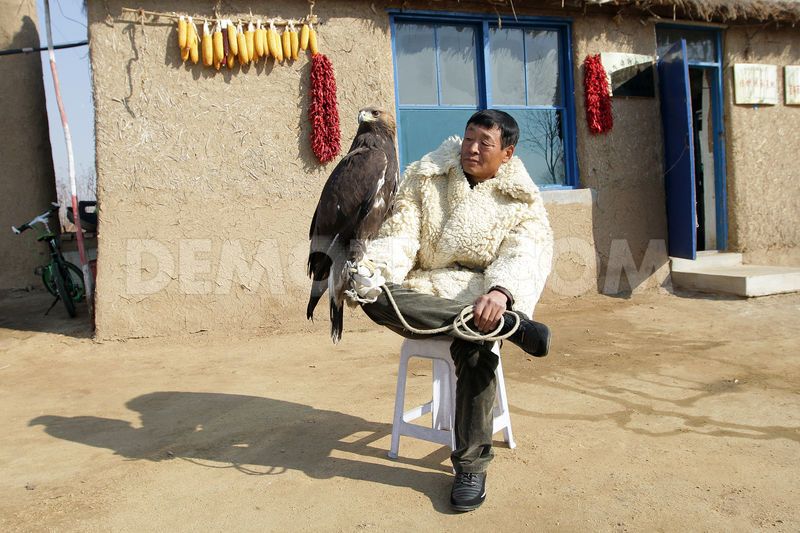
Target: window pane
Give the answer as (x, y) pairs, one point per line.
(541, 50)
(700, 45)
(416, 64)
(541, 146)
(457, 65)
(506, 51)
(423, 130)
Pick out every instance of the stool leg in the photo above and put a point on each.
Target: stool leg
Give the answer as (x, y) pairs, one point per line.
(502, 401)
(451, 408)
(441, 408)
(399, 404)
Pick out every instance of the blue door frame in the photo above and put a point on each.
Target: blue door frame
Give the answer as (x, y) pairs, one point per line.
(717, 107)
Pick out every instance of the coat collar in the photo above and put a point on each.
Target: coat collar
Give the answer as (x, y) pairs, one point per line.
(512, 179)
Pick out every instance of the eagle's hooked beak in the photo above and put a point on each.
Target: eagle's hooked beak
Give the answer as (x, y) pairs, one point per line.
(365, 116)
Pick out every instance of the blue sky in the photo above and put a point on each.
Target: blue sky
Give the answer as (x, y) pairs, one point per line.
(69, 25)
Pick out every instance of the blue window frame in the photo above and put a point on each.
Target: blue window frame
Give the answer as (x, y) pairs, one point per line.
(447, 66)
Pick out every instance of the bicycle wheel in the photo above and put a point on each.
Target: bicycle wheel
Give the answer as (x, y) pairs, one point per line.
(74, 284)
(63, 293)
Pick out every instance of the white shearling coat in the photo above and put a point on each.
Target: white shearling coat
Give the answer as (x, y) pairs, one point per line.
(446, 239)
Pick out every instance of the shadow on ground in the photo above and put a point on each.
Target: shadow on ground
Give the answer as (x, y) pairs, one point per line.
(256, 436)
(642, 407)
(24, 310)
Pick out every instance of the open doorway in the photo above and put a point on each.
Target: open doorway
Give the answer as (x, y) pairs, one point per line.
(700, 87)
(690, 85)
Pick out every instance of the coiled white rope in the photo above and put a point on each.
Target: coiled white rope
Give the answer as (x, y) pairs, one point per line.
(459, 326)
(365, 286)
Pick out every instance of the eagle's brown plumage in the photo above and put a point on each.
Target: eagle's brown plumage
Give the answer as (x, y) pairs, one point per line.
(354, 203)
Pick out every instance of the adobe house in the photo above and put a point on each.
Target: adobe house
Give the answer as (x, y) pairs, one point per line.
(207, 182)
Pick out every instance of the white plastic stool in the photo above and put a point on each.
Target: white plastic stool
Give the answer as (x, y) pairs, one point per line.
(442, 405)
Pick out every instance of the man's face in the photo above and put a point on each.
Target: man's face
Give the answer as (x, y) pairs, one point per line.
(481, 152)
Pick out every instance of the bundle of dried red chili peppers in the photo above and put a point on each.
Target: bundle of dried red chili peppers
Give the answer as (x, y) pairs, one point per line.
(598, 99)
(323, 112)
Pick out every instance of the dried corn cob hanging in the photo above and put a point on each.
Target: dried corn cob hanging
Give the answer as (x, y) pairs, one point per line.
(287, 44)
(182, 33)
(295, 41)
(304, 37)
(241, 43)
(261, 39)
(207, 45)
(250, 38)
(227, 29)
(233, 40)
(312, 40)
(194, 52)
(275, 47)
(185, 51)
(219, 47)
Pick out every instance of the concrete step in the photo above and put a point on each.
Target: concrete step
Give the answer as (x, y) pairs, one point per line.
(741, 280)
(704, 259)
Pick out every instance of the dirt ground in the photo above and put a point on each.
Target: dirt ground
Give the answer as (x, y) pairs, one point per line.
(658, 412)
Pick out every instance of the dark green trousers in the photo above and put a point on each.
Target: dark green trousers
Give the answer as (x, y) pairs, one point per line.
(475, 366)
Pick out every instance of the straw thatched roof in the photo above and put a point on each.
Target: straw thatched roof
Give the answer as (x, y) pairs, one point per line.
(716, 10)
(728, 11)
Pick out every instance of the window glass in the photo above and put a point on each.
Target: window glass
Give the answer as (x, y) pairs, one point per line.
(423, 130)
(441, 68)
(541, 51)
(541, 144)
(507, 58)
(457, 65)
(700, 44)
(416, 64)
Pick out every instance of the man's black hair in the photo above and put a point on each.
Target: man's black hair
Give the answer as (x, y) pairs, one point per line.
(491, 118)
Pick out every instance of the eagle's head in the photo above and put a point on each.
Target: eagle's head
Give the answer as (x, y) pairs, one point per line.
(372, 115)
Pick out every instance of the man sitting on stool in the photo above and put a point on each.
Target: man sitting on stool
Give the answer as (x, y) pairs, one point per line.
(468, 227)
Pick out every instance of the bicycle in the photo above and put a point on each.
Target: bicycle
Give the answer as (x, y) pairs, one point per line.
(62, 279)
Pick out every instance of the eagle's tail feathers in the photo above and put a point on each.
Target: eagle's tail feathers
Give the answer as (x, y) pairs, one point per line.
(318, 289)
(337, 321)
(319, 265)
(312, 304)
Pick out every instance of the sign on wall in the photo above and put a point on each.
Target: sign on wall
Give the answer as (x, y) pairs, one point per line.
(755, 83)
(629, 74)
(791, 81)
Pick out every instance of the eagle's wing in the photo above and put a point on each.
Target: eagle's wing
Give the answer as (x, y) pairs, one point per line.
(346, 200)
(381, 201)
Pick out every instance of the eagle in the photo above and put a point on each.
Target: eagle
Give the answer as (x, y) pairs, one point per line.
(355, 201)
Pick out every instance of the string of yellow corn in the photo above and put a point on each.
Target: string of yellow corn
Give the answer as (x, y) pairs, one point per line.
(247, 45)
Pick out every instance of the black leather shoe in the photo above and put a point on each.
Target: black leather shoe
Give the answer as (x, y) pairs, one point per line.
(532, 337)
(469, 491)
